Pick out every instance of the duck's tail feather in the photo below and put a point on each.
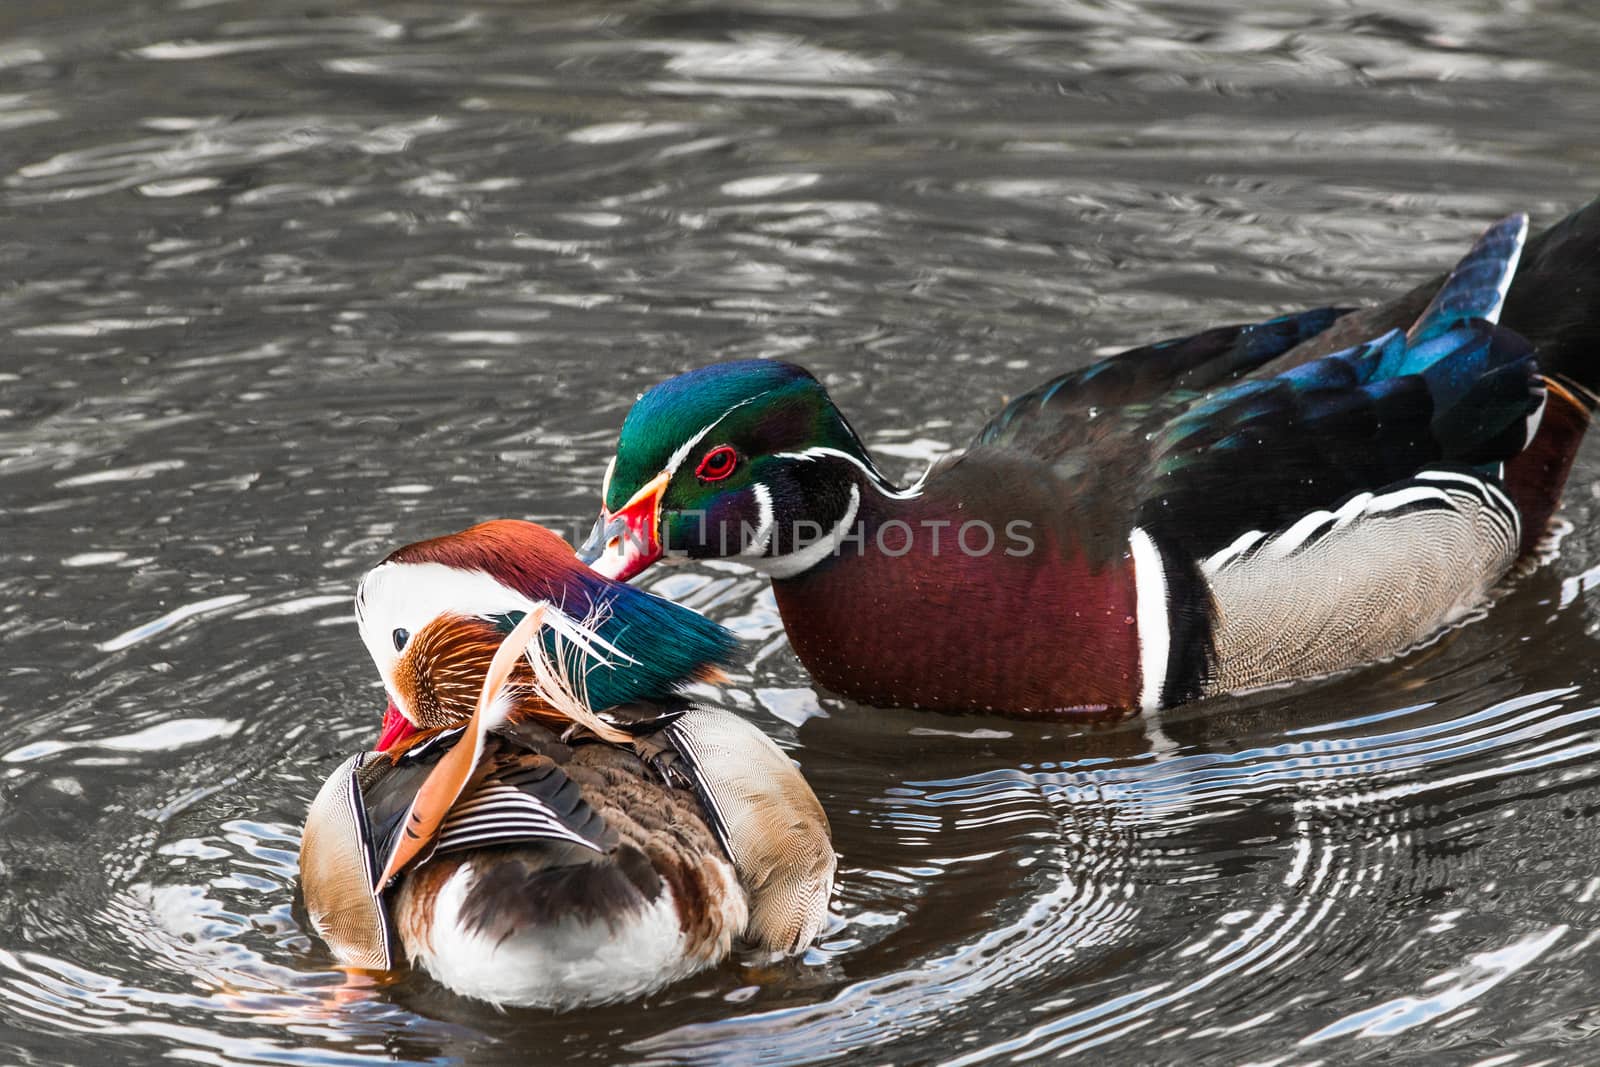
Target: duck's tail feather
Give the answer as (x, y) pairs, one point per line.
(1477, 287)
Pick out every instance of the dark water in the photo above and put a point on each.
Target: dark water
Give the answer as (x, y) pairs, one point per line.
(286, 285)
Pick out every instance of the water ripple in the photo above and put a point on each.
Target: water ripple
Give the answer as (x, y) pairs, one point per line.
(289, 288)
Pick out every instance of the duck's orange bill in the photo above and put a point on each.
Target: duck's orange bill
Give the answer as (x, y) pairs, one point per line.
(396, 728)
(628, 540)
(451, 775)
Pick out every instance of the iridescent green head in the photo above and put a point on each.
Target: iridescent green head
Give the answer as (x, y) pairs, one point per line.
(748, 460)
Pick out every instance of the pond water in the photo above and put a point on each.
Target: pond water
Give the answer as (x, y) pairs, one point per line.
(288, 285)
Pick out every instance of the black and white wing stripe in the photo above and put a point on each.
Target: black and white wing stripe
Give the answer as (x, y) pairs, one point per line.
(682, 737)
(1432, 490)
(502, 815)
(523, 797)
(1498, 507)
(530, 801)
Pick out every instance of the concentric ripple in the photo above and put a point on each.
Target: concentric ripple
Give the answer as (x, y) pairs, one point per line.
(288, 287)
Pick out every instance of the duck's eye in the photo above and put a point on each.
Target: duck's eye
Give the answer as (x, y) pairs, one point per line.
(401, 636)
(717, 464)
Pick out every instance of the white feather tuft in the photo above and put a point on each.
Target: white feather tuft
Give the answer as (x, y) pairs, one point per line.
(559, 674)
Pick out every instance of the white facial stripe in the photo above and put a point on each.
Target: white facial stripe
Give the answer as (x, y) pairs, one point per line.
(605, 483)
(883, 487)
(411, 595)
(1155, 627)
(676, 459)
(798, 562)
(763, 538)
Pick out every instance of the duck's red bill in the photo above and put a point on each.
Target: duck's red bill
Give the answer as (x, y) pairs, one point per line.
(628, 540)
(396, 728)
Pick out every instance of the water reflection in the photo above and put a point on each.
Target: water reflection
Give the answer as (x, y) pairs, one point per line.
(286, 289)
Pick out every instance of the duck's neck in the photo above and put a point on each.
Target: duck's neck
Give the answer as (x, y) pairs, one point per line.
(966, 602)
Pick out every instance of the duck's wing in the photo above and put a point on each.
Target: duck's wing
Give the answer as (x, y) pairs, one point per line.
(1343, 510)
(766, 818)
(337, 868)
(1262, 455)
(1357, 583)
(522, 795)
(1075, 409)
(525, 797)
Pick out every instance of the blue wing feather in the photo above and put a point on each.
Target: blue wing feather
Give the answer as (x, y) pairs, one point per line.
(1456, 388)
(1050, 419)
(1477, 288)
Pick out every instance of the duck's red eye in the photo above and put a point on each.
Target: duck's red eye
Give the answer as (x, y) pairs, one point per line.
(717, 464)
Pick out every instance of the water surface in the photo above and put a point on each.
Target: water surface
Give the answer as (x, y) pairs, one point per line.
(288, 285)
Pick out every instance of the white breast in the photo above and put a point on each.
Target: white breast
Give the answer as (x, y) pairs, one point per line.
(568, 963)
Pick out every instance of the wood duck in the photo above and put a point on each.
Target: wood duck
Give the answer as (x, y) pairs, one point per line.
(1247, 506)
(547, 819)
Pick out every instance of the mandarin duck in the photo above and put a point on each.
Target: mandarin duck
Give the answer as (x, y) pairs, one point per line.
(548, 820)
(1248, 506)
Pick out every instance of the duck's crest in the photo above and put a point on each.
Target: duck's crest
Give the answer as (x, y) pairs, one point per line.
(663, 647)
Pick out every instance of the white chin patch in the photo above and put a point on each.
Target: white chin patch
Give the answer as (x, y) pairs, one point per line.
(761, 542)
(610, 563)
(802, 560)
